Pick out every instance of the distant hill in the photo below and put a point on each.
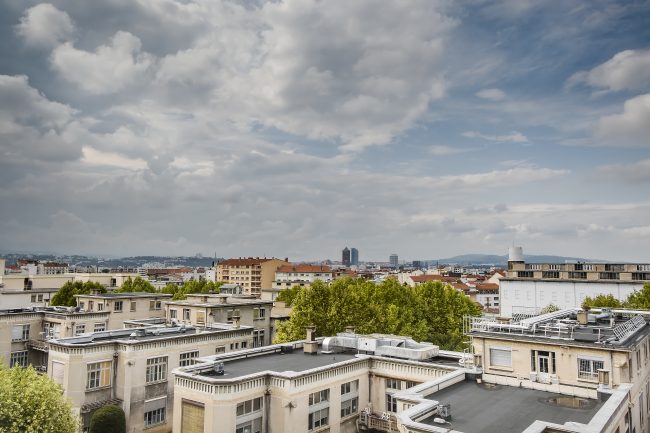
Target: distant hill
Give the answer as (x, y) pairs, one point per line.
(491, 259)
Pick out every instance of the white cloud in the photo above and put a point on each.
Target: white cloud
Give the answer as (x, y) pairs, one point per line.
(513, 137)
(44, 26)
(627, 70)
(491, 94)
(447, 150)
(109, 69)
(96, 157)
(638, 172)
(631, 128)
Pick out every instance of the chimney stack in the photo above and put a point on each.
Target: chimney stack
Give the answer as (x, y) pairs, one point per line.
(311, 345)
(236, 322)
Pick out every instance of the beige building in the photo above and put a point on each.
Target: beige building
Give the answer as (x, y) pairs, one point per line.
(131, 368)
(124, 306)
(300, 275)
(207, 309)
(253, 274)
(24, 290)
(548, 381)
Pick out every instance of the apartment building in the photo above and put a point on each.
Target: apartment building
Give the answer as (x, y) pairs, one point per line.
(529, 287)
(586, 354)
(253, 274)
(301, 275)
(131, 368)
(303, 386)
(352, 382)
(27, 290)
(124, 306)
(208, 309)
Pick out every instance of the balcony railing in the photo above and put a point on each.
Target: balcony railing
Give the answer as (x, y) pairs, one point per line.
(383, 422)
(38, 345)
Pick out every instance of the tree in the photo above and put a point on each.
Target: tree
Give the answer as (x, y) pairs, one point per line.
(432, 311)
(65, 296)
(602, 301)
(108, 419)
(639, 299)
(138, 284)
(201, 286)
(288, 295)
(33, 403)
(550, 308)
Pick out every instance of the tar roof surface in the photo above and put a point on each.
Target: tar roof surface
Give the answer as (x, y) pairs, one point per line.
(296, 361)
(496, 409)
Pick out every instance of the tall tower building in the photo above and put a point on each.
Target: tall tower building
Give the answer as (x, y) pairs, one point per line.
(354, 257)
(394, 260)
(345, 259)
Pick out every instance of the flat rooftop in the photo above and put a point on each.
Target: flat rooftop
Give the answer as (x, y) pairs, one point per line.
(488, 408)
(278, 362)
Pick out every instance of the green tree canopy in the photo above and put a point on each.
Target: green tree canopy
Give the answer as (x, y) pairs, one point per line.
(432, 311)
(201, 286)
(639, 299)
(137, 284)
(602, 301)
(65, 295)
(108, 419)
(550, 308)
(288, 295)
(33, 403)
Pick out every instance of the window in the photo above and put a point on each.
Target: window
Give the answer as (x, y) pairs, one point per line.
(186, 314)
(542, 361)
(98, 374)
(220, 349)
(249, 416)
(40, 298)
(200, 318)
(318, 397)
(525, 274)
(258, 338)
(156, 369)
(244, 344)
(33, 298)
(500, 357)
(391, 403)
(154, 417)
(318, 418)
(79, 329)
(349, 398)
(173, 314)
(100, 307)
(154, 305)
(91, 305)
(349, 407)
(259, 313)
(249, 406)
(187, 358)
(550, 274)
(133, 305)
(350, 387)
(393, 384)
(118, 305)
(411, 384)
(99, 327)
(20, 333)
(18, 358)
(588, 368)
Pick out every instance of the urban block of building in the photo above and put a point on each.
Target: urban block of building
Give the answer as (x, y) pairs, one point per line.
(253, 274)
(301, 275)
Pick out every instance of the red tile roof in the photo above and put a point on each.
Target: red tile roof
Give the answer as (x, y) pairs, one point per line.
(487, 287)
(244, 261)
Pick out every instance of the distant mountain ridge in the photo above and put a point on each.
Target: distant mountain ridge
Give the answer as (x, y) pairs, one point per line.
(492, 259)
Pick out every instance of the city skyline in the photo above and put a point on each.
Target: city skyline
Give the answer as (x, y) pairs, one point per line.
(431, 128)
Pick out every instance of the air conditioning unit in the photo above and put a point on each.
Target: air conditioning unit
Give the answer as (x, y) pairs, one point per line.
(533, 376)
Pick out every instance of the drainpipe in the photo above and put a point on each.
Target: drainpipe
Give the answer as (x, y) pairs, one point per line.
(267, 407)
(114, 383)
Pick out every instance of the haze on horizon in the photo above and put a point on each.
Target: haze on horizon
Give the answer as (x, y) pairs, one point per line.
(293, 128)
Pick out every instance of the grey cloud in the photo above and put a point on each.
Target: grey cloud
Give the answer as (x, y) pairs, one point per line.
(638, 172)
(44, 26)
(627, 70)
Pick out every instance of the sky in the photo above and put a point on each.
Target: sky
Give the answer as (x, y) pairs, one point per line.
(294, 128)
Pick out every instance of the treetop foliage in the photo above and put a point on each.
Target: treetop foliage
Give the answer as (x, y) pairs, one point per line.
(288, 295)
(33, 403)
(639, 300)
(429, 312)
(137, 284)
(201, 286)
(65, 295)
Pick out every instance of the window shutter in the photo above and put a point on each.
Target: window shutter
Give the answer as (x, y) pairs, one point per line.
(501, 357)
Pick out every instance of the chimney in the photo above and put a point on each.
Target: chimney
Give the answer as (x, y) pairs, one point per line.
(236, 320)
(310, 345)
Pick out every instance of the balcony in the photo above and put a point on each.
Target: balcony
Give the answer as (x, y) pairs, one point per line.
(38, 345)
(379, 422)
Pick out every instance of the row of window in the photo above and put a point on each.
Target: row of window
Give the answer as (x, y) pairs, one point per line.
(542, 361)
(118, 306)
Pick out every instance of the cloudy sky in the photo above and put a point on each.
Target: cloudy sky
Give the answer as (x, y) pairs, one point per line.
(294, 128)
